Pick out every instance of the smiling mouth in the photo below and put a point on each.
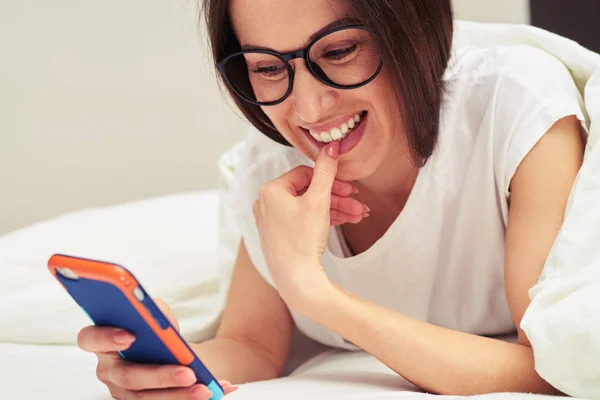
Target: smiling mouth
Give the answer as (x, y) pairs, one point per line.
(348, 140)
(337, 133)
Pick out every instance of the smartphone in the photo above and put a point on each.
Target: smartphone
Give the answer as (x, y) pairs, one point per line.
(111, 296)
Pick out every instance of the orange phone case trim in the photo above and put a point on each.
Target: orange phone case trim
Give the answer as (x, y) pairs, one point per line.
(123, 280)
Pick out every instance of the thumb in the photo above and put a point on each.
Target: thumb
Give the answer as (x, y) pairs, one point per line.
(166, 310)
(325, 170)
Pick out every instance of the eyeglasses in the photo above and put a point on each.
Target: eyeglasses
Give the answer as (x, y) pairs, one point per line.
(346, 57)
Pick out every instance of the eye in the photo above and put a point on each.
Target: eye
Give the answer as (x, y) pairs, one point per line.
(341, 53)
(270, 71)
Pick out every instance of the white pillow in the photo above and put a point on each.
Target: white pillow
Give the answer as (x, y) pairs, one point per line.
(169, 243)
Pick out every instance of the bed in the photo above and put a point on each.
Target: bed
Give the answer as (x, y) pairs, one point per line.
(39, 322)
(67, 373)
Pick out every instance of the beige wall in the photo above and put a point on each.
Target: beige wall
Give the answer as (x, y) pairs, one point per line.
(109, 101)
(103, 102)
(509, 11)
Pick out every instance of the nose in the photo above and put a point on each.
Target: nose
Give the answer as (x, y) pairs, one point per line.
(312, 99)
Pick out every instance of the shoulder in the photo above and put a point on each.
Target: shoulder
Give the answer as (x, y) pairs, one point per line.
(504, 89)
(244, 169)
(256, 161)
(501, 71)
(262, 159)
(511, 61)
(500, 100)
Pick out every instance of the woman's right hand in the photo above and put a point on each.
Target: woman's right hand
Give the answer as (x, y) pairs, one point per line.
(126, 380)
(344, 208)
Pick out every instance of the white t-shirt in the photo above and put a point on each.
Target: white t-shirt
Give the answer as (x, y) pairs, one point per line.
(442, 259)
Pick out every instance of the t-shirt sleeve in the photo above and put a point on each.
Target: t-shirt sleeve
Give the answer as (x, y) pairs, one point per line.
(533, 92)
(244, 191)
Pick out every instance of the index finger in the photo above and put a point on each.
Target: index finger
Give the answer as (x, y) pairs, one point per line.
(300, 178)
(97, 339)
(166, 310)
(296, 180)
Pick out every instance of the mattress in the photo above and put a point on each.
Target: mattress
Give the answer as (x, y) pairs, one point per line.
(67, 373)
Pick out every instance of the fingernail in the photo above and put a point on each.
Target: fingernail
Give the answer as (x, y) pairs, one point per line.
(366, 215)
(367, 209)
(333, 149)
(123, 337)
(354, 190)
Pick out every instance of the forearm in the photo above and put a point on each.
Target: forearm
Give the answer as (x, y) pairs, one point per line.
(436, 359)
(235, 361)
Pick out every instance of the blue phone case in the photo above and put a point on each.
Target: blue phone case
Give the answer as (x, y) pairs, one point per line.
(107, 305)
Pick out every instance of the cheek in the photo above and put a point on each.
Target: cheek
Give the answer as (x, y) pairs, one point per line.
(383, 95)
(385, 104)
(280, 117)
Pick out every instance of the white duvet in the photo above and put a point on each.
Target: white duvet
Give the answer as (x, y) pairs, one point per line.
(169, 243)
(563, 320)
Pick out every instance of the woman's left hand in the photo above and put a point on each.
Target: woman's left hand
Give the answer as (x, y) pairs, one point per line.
(293, 217)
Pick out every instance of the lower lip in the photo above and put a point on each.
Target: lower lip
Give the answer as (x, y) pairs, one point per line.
(350, 141)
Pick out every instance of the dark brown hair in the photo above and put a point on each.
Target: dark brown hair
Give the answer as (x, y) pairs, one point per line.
(415, 37)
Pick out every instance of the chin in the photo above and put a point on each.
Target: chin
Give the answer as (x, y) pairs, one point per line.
(350, 171)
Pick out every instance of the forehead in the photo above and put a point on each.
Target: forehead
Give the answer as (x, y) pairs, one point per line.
(283, 25)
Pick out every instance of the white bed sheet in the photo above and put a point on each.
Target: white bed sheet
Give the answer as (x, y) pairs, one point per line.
(67, 373)
(48, 372)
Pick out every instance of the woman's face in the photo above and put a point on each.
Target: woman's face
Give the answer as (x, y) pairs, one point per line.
(287, 25)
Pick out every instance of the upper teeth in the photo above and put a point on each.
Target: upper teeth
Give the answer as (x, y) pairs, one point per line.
(337, 133)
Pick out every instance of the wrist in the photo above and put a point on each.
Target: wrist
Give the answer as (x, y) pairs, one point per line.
(314, 293)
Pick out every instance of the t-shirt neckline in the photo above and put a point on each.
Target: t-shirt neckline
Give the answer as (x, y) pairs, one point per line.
(407, 213)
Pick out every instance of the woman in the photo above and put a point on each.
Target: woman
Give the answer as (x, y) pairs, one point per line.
(439, 182)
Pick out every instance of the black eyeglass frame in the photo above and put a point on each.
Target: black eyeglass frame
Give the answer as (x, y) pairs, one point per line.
(286, 58)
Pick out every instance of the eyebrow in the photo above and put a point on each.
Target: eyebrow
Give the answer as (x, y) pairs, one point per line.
(332, 25)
